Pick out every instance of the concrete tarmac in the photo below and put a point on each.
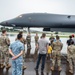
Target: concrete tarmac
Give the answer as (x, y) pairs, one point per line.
(31, 65)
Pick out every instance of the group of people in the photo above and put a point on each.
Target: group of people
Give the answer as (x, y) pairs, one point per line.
(43, 48)
(16, 49)
(53, 49)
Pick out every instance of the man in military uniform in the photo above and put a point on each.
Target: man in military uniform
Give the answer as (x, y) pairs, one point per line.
(28, 39)
(56, 53)
(4, 46)
(51, 38)
(36, 38)
(36, 50)
(71, 55)
(24, 42)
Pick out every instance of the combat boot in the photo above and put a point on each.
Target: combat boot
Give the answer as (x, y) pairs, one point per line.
(24, 67)
(52, 68)
(59, 68)
(2, 66)
(8, 66)
(71, 71)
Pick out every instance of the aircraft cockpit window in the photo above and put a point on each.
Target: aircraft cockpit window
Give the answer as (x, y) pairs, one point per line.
(19, 16)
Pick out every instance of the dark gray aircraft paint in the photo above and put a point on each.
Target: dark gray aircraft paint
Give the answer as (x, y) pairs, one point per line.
(50, 22)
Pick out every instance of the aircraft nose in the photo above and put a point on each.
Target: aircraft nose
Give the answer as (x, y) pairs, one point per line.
(4, 23)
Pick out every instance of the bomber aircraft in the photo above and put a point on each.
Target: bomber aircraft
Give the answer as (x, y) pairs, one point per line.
(50, 22)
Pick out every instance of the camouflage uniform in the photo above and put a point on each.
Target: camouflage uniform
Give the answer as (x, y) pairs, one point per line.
(36, 49)
(71, 56)
(24, 42)
(28, 39)
(4, 53)
(51, 39)
(56, 52)
(36, 39)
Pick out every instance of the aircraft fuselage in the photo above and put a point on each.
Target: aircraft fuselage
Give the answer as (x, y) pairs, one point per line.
(41, 20)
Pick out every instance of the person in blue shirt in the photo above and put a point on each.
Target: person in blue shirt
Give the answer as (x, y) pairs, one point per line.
(16, 50)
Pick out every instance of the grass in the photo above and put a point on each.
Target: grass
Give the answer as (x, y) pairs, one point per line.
(61, 36)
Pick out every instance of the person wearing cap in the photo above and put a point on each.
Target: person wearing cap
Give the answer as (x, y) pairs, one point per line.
(73, 37)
